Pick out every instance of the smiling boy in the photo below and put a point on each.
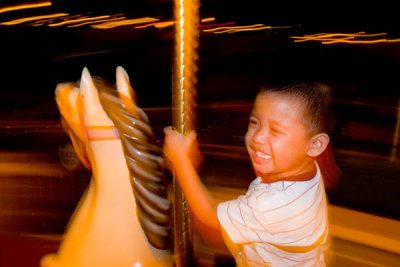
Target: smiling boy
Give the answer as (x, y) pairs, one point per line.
(282, 219)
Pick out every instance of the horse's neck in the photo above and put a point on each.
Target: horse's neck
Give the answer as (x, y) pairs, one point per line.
(109, 168)
(105, 230)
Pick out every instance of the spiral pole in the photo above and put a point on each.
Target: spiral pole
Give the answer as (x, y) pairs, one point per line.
(184, 82)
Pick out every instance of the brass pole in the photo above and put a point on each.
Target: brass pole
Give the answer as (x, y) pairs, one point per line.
(184, 117)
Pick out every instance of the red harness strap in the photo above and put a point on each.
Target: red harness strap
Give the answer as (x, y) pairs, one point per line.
(101, 133)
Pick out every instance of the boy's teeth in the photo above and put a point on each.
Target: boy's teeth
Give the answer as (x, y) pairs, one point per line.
(262, 155)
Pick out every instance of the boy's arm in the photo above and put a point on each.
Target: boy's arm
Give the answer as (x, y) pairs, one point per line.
(177, 149)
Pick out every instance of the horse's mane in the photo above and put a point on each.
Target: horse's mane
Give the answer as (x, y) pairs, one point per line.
(145, 163)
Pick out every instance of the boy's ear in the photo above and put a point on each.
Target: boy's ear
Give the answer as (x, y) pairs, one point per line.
(318, 144)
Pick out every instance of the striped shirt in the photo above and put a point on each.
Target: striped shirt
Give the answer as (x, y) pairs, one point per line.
(278, 224)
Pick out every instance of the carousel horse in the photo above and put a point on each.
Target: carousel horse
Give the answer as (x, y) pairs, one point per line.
(123, 217)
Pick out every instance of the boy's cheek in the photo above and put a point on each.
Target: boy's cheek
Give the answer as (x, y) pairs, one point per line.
(247, 137)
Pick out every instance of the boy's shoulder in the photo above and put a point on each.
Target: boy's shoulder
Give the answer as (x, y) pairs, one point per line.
(281, 191)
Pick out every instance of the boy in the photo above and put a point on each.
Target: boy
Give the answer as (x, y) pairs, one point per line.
(282, 219)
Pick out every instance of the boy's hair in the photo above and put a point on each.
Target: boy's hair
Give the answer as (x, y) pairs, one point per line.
(317, 102)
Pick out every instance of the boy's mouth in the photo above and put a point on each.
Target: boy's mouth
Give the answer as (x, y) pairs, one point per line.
(262, 155)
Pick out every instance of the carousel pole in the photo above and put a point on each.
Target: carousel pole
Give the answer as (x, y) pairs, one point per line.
(186, 14)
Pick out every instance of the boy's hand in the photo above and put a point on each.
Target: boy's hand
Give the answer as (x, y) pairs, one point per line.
(177, 145)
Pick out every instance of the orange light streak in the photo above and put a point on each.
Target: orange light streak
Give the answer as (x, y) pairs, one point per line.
(216, 25)
(25, 6)
(363, 42)
(349, 38)
(245, 30)
(162, 24)
(109, 25)
(165, 24)
(207, 19)
(234, 29)
(50, 20)
(145, 26)
(320, 39)
(30, 163)
(96, 21)
(357, 34)
(72, 21)
(23, 20)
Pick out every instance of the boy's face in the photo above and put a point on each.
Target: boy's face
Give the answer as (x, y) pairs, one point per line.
(276, 139)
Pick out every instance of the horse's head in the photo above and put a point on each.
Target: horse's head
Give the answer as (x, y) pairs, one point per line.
(83, 116)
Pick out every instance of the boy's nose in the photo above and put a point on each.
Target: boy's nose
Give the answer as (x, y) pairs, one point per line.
(261, 136)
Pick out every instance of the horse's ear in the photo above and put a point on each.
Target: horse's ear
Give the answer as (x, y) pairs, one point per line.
(123, 85)
(126, 93)
(94, 113)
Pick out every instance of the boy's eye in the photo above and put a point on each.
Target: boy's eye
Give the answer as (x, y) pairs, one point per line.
(252, 122)
(276, 131)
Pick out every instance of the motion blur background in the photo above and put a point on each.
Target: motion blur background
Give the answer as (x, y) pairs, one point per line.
(355, 50)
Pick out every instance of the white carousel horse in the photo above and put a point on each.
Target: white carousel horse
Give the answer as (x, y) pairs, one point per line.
(115, 223)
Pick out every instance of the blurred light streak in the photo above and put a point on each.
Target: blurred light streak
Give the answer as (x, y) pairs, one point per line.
(25, 6)
(29, 164)
(364, 228)
(162, 24)
(330, 35)
(27, 126)
(31, 169)
(234, 29)
(169, 23)
(216, 25)
(353, 259)
(245, 30)
(96, 21)
(72, 21)
(350, 38)
(42, 22)
(145, 26)
(23, 20)
(81, 53)
(114, 24)
(363, 42)
(322, 39)
(207, 19)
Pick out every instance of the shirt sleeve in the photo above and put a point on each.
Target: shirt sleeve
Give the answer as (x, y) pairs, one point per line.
(241, 222)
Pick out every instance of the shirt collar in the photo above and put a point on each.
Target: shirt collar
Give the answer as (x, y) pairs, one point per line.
(283, 185)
